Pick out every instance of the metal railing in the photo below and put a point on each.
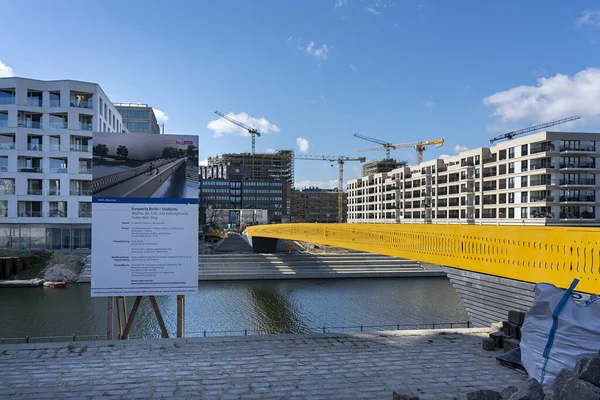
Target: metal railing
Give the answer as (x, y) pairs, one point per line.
(82, 104)
(34, 101)
(35, 146)
(7, 146)
(250, 332)
(108, 181)
(38, 170)
(29, 124)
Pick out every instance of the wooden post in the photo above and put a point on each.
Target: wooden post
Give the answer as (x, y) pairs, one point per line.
(134, 309)
(109, 318)
(180, 316)
(119, 324)
(161, 323)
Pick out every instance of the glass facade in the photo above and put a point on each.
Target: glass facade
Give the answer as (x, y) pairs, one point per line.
(25, 237)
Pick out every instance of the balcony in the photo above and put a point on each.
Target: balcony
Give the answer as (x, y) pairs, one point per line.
(7, 100)
(7, 146)
(541, 182)
(31, 214)
(491, 159)
(587, 165)
(578, 149)
(467, 189)
(37, 170)
(34, 146)
(57, 214)
(541, 214)
(537, 199)
(34, 101)
(572, 215)
(489, 174)
(54, 147)
(22, 123)
(467, 163)
(34, 191)
(487, 188)
(542, 148)
(85, 214)
(578, 199)
(82, 103)
(58, 125)
(85, 126)
(54, 103)
(577, 182)
(3, 122)
(88, 149)
(537, 166)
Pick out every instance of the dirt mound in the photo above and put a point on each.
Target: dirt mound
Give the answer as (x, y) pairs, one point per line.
(63, 267)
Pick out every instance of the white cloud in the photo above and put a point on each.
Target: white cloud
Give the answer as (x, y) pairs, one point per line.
(270, 151)
(321, 52)
(464, 90)
(302, 144)
(340, 3)
(160, 115)
(221, 126)
(444, 156)
(290, 39)
(458, 148)
(5, 71)
(429, 104)
(331, 184)
(373, 10)
(589, 17)
(556, 97)
(352, 67)
(376, 7)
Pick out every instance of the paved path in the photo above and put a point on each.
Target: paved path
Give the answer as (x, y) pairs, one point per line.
(327, 366)
(125, 186)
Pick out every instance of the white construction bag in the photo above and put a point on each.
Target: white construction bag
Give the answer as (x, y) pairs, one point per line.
(558, 330)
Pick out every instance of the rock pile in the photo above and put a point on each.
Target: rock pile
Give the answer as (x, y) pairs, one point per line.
(510, 335)
(63, 268)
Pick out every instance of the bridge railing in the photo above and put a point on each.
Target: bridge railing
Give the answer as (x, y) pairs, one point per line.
(107, 181)
(527, 253)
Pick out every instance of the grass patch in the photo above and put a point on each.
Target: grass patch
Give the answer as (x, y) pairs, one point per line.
(4, 353)
(111, 345)
(177, 345)
(71, 348)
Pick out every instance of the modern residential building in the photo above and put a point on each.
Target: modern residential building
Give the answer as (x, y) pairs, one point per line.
(548, 178)
(277, 166)
(138, 117)
(229, 186)
(46, 161)
(315, 205)
(386, 165)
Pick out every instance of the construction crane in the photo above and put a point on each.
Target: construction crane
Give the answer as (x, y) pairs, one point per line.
(340, 160)
(418, 146)
(252, 131)
(512, 134)
(387, 146)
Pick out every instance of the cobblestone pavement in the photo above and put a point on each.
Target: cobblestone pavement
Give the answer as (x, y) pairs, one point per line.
(435, 365)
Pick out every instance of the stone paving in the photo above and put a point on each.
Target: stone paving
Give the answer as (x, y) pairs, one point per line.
(442, 364)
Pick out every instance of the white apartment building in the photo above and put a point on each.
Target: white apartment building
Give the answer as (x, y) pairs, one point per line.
(548, 178)
(46, 161)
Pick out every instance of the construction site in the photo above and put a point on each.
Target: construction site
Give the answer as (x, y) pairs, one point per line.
(313, 204)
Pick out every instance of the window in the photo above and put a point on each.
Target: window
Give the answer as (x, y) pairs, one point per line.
(523, 181)
(511, 198)
(511, 213)
(138, 126)
(477, 159)
(511, 183)
(477, 186)
(524, 165)
(511, 152)
(524, 151)
(524, 212)
(101, 103)
(105, 111)
(476, 172)
(511, 168)
(523, 197)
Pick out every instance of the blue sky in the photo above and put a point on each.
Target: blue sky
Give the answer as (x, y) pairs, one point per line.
(321, 70)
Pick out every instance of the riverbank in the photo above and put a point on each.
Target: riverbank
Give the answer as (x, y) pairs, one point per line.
(433, 364)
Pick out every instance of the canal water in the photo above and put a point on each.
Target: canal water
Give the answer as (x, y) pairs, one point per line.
(177, 186)
(287, 306)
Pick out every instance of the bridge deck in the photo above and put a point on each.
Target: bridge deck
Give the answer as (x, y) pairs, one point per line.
(130, 184)
(527, 253)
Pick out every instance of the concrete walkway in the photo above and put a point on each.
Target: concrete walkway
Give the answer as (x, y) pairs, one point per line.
(433, 364)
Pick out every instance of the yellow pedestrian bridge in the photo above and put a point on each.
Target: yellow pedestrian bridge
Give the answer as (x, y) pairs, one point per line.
(523, 253)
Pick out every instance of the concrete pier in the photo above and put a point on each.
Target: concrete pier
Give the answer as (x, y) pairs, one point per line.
(442, 364)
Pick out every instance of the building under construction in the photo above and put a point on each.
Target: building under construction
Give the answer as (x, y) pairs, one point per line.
(376, 167)
(275, 166)
(316, 205)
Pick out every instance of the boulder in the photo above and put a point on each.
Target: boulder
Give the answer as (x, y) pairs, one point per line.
(528, 390)
(590, 371)
(577, 389)
(561, 380)
(484, 394)
(509, 391)
(488, 344)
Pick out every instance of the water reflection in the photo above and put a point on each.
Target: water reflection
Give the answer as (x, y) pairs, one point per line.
(292, 306)
(176, 186)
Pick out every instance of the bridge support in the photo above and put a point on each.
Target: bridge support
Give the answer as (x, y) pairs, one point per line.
(263, 244)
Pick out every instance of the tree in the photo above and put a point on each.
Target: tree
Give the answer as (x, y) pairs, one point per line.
(170, 152)
(181, 153)
(100, 150)
(191, 152)
(122, 152)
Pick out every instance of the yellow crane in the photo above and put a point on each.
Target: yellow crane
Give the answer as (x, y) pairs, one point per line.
(418, 146)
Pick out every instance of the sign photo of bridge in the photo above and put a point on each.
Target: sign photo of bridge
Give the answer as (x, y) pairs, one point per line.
(145, 165)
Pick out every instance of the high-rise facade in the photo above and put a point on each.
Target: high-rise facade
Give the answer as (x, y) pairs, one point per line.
(46, 130)
(138, 117)
(315, 205)
(548, 178)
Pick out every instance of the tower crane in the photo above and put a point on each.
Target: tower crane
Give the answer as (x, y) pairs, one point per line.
(252, 131)
(418, 146)
(386, 145)
(340, 160)
(512, 134)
